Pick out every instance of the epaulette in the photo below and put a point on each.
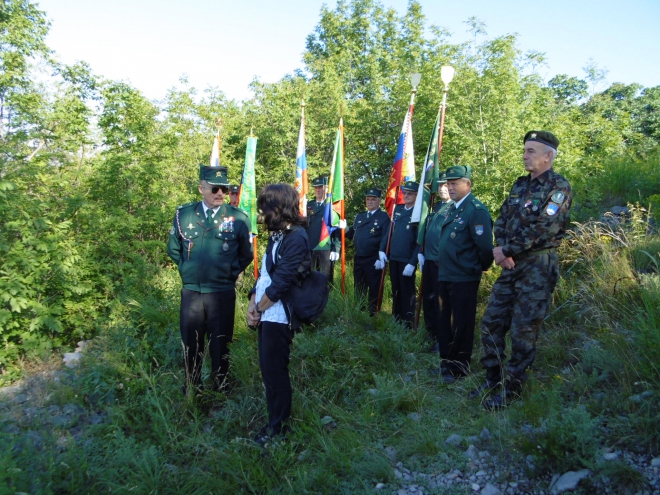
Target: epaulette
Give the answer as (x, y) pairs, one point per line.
(478, 204)
(186, 205)
(239, 210)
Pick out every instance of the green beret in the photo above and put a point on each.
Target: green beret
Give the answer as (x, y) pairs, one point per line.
(410, 186)
(320, 181)
(234, 188)
(373, 192)
(544, 137)
(216, 176)
(458, 172)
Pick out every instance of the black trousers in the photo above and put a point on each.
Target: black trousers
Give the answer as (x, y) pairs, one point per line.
(458, 307)
(274, 340)
(209, 315)
(321, 263)
(367, 278)
(403, 293)
(430, 302)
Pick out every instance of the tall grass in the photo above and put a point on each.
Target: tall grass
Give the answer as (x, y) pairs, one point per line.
(594, 384)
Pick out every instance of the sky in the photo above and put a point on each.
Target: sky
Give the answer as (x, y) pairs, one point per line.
(226, 44)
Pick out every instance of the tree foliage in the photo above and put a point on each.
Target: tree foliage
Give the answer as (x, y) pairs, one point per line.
(91, 170)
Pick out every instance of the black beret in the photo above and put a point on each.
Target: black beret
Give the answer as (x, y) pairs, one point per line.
(320, 181)
(373, 192)
(544, 137)
(234, 188)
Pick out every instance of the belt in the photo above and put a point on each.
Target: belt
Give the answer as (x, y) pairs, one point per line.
(529, 254)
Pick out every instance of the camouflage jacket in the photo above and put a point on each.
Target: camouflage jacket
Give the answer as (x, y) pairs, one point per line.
(536, 214)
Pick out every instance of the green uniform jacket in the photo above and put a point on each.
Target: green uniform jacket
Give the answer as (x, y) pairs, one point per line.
(403, 245)
(315, 221)
(367, 233)
(536, 214)
(465, 249)
(434, 222)
(210, 258)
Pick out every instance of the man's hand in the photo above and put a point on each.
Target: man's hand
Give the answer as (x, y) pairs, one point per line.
(382, 256)
(507, 264)
(421, 259)
(379, 265)
(342, 224)
(408, 270)
(499, 255)
(334, 256)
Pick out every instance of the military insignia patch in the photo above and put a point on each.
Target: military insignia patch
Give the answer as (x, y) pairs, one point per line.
(533, 136)
(218, 174)
(552, 209)
(558, 197)
(172, 231)
(190, 225)
(479, 229)
(528, 203)
(452, 235)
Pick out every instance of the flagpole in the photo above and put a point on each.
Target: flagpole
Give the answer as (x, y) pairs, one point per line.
(415, 78)
(343, 216)
(447, 75)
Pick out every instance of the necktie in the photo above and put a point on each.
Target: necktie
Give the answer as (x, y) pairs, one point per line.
(368, 215)
(209, 216)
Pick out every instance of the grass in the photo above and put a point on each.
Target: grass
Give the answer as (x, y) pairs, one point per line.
(594, 385)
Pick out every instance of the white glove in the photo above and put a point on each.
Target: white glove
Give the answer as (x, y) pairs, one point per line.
(408, 270)
(379, 265)
(342, 224)
(421, 259)
(334, 256)
(382, 257)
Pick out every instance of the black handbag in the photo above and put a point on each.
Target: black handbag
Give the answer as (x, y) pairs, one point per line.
(308, 294)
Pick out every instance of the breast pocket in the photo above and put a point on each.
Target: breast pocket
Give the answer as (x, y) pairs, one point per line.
(227, 242)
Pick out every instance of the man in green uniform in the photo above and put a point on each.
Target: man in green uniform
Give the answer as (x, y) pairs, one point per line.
(428, 261)
(367, 232)
(324, 252)
(403, 256)
(210, 243)
(233, 195)
(532, 223)
(465, 251)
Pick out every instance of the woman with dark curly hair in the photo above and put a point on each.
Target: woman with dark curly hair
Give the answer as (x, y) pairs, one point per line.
(269, 310)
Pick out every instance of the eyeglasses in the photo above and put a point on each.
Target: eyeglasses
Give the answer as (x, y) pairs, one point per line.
(215, 189)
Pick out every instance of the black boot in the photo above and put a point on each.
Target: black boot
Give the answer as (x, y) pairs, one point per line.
(484, 388)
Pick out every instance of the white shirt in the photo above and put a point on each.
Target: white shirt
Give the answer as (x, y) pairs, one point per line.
(275, 313)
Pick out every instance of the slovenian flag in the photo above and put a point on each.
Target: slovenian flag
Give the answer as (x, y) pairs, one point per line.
(215, 154)
(403, 169)
(302, 183)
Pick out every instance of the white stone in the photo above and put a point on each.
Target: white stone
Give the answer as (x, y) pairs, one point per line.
(490, 489)
(476, 487)
(471, 453)
(454, 440)
(71, 358)
(569, 481)
(655, 462)
(611, 456)
(380, 486)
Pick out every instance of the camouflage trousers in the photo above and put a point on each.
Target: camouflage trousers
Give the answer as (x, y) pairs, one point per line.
(518, 303)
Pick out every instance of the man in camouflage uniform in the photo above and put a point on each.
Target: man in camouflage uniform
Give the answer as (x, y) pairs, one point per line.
(428, 261)
(464, 252)
(367, 232)
(324, 254)
(210, 243)
(532, 223)
(403, 256)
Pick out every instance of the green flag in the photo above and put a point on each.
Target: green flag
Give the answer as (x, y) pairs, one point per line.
(428, 183)
(248, 194)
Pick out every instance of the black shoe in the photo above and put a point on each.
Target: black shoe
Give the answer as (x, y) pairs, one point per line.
(434, 348)
(500, 401)
(486, 386)
(435, 371)
(448, 378)
(266, 438)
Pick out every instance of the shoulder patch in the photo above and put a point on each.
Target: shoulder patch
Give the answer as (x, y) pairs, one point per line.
(558, 197)
(186, 205)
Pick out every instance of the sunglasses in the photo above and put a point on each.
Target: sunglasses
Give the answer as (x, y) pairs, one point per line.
(215, 189)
